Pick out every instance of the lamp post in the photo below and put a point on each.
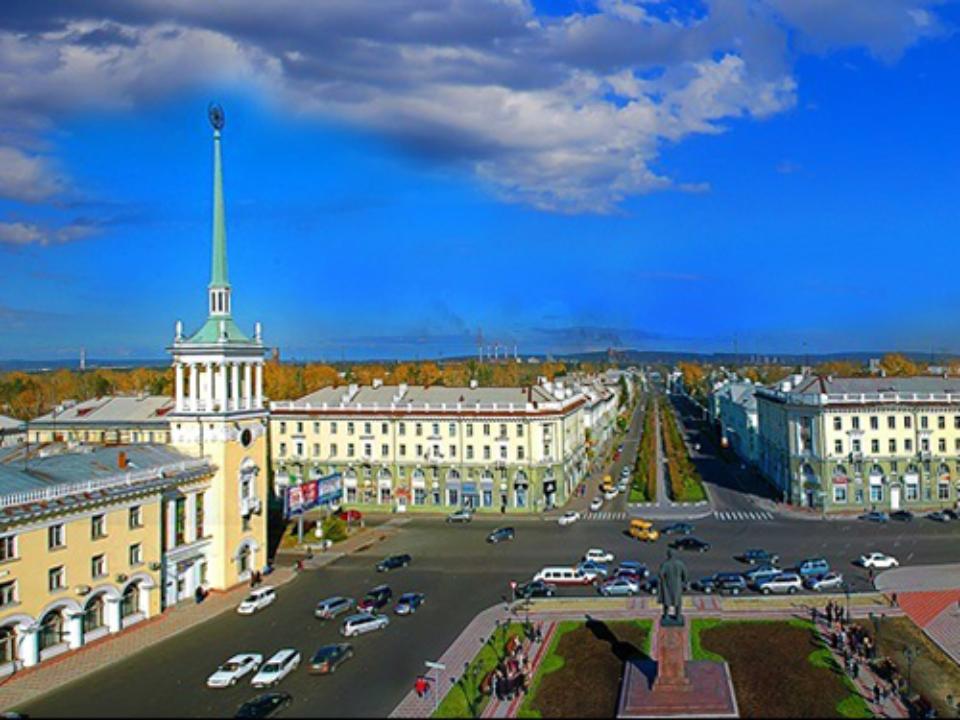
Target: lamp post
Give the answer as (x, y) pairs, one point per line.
(910, 653)
(846, 592)
(877, 620)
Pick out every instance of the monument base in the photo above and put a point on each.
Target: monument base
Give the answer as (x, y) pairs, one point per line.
(707, 694)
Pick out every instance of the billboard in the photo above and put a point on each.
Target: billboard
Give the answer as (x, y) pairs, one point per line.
(298, 499)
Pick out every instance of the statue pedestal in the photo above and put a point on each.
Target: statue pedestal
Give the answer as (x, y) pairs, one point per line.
(680, 687)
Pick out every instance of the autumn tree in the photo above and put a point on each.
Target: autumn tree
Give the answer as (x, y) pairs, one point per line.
(319, 375)
(898, 365)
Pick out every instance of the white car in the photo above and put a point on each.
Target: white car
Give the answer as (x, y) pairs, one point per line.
(598, 555)
(276, 668)
(789, 583)
(257, 600)
(878, 560)
(234, 669)
(596, 504)
(363, 623)
(611, 493)
(568, 518)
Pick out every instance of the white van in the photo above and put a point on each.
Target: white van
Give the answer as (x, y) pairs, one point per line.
(276, 668)
(562, 576)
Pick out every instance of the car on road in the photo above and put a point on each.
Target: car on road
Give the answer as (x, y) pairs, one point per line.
(611, 493)
(562, 576)
(757, 576)
(789, 583)
(619, 586)
(392, 562)
(938, 515)
(501, 535)
(732, 583)
(594, 570)
(875, 516)
(878, 561)
(535, 589)
(596, 504)
(598, 555)
(234, 669)
(328, 658)
(363, 623)
(276, 668)
(622, 486)
(351, 516)
(680, 528)
(633, 566)
(409, 603)
(756, 555)
(828, 581)
(257, 600)
(901, 516)
(568, 518)
(813, 566)
(264, 706)
(690, 543)
(460, 516)
(333, 606)
(951, 514)
(377, 598)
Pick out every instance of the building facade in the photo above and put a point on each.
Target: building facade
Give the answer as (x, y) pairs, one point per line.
(844, 444)
(13, 432)
(113, 420)
(736, 417)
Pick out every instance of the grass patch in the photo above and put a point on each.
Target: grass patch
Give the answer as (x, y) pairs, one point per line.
(697, 651)
(685, 483)
(464, 699)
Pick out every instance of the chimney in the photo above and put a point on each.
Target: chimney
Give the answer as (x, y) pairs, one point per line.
(122, 460)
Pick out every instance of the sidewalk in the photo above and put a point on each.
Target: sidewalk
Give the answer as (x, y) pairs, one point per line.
(536, 651)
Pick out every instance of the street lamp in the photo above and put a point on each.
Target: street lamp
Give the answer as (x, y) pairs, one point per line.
(846, 592)
(910, 653)
(877, 620)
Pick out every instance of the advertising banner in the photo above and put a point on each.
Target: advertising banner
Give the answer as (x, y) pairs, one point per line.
(327, 490)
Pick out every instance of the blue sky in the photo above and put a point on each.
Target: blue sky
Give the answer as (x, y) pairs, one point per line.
(626, 175)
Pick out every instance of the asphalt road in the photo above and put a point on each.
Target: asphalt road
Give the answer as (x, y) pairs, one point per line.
(460, 575)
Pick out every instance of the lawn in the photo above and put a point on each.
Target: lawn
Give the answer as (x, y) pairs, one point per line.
(582, 670)
(934, 674)
(779, 669)
(464, 699)
(684, 483)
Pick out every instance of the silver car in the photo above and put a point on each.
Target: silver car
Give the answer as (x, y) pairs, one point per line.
(828, 581)
(363, 623)
(333, 606)
(783, 583)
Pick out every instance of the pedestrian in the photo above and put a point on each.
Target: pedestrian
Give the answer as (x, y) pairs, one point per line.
(855, 669)
(876, 694)
(813, 614)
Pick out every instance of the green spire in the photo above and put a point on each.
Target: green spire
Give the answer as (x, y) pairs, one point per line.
(218, 274)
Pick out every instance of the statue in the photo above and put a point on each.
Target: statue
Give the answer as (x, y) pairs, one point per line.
(672, 581)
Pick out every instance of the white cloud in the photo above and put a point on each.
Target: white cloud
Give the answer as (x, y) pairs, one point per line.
(28, 177)
(25, 233)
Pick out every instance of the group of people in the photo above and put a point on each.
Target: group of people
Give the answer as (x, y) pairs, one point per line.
(510, 677)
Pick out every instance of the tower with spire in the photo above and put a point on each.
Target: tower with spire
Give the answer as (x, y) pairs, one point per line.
(220, 413)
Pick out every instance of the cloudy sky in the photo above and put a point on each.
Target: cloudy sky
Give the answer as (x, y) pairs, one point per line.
(401, 174)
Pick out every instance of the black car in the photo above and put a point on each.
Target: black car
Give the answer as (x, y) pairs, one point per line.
(680, 528)
(938, 515)
(536, 588)
(902, 516)
(264, 706)
(651, 585)
(732, 583)
(690, 543)
(501, 534)
(875, 516)
(951, 514)
(393, 562)
(329, 657)
(755, 555)
(375, 599)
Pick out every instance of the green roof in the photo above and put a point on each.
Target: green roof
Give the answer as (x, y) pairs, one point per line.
(210, 332)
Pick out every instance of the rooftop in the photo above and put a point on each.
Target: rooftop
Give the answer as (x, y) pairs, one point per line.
(823, 389)
(116, 409)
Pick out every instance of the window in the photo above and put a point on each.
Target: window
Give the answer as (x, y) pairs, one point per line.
(8, 548)
(520, 453)
(892, 445)
(403, 450)
(452, 429)
(419, 450)
(402, 429)
(923, 422)
(367, 429)
(907, 422)
(98, 566)
(941, 422)
(943, 491)
(942, 444)
(436, 428)
(956, 422)
(486, 452)
(876, 493)
(136, 554)
(316, 428)
(199, 514)
(283, 428)
(8, 593)
(855, 443)
(874, 446)
(384, 450)
(349, 428)
(333, 450)
(299, 452)
(419, 496)
(503, 431)
(333, 427)
(56, 578)
(838, 447)
(453, 451)
(367, 450)
(874, 422)
(839, 493)
(925, 444)
(908, 445)
(56, 537)
(316, 449)
(418, 429)
(855, 422)
(892, 422)
(469, 452)
(350, 450)
(913, 491)
(469, 429)
(299, 428)
(838, 423)
(956, 445)
(283, 449)
(503, 452)
(486, 429)
(180, 520)
(519, 429)
(384, 429)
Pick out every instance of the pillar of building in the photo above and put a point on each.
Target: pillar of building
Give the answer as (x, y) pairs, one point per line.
(258, 403)
(74, 630)
(191, 513)
(143, 600)
(209, 375)
(194, 393)
(178, 379)
(112, 607)
(235, 386)
(247, 386)
(29, 645)
(222, 386)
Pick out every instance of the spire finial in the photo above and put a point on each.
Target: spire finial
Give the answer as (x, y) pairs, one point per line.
(218, 274)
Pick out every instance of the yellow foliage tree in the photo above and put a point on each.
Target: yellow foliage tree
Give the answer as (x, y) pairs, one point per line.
(898, 365)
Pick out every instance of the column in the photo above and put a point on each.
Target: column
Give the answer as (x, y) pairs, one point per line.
(29, 645)
(247, 386)
(194, 395)
(143, 599)
(191, 511)
(178, 378)
(235, 386)
(209, 375)
(114, 622)
(259, 392)
(75, 630)
(169, 507)
(222, 386)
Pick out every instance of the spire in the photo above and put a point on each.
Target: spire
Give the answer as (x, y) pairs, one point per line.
(218, 274)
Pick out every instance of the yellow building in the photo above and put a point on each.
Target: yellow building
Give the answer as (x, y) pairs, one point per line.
(114, 420)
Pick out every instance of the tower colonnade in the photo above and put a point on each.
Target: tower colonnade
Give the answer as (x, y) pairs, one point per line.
(220, 385)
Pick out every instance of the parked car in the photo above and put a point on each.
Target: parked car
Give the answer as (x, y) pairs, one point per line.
(633, 566)
(392, 562)
(651, 585)
(264, 706)
(680, 528)
(901, 516)
(813, 566)
(828, 581)
(276, 668)
(535, 589)
(875, 516)
(783, 583)
(951, 514)
(501, 535)
(598, 555)
(257, 600)
(351, 516)
(460, 516)
(568, 518)
(939, 516)
(328, 658)
(594, 570)
(234, 669)
(690, 543)
(409, 603)
(333, 606)
(756, 555)
(732, 583)
(363, 623)
(377, 598)
(756, 577)
(618, 586)
(563, 576)
(878, 560)
(596, 504)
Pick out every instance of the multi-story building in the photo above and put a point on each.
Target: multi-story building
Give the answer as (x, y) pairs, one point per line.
(520, 449)
(736, 415)
(855, 443)
(106, 421)
(12, 431)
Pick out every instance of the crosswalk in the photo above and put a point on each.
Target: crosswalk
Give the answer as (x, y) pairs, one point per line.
(606, 515)
(742, 516)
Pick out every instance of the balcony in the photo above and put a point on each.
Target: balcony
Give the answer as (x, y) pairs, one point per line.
(250, 506)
